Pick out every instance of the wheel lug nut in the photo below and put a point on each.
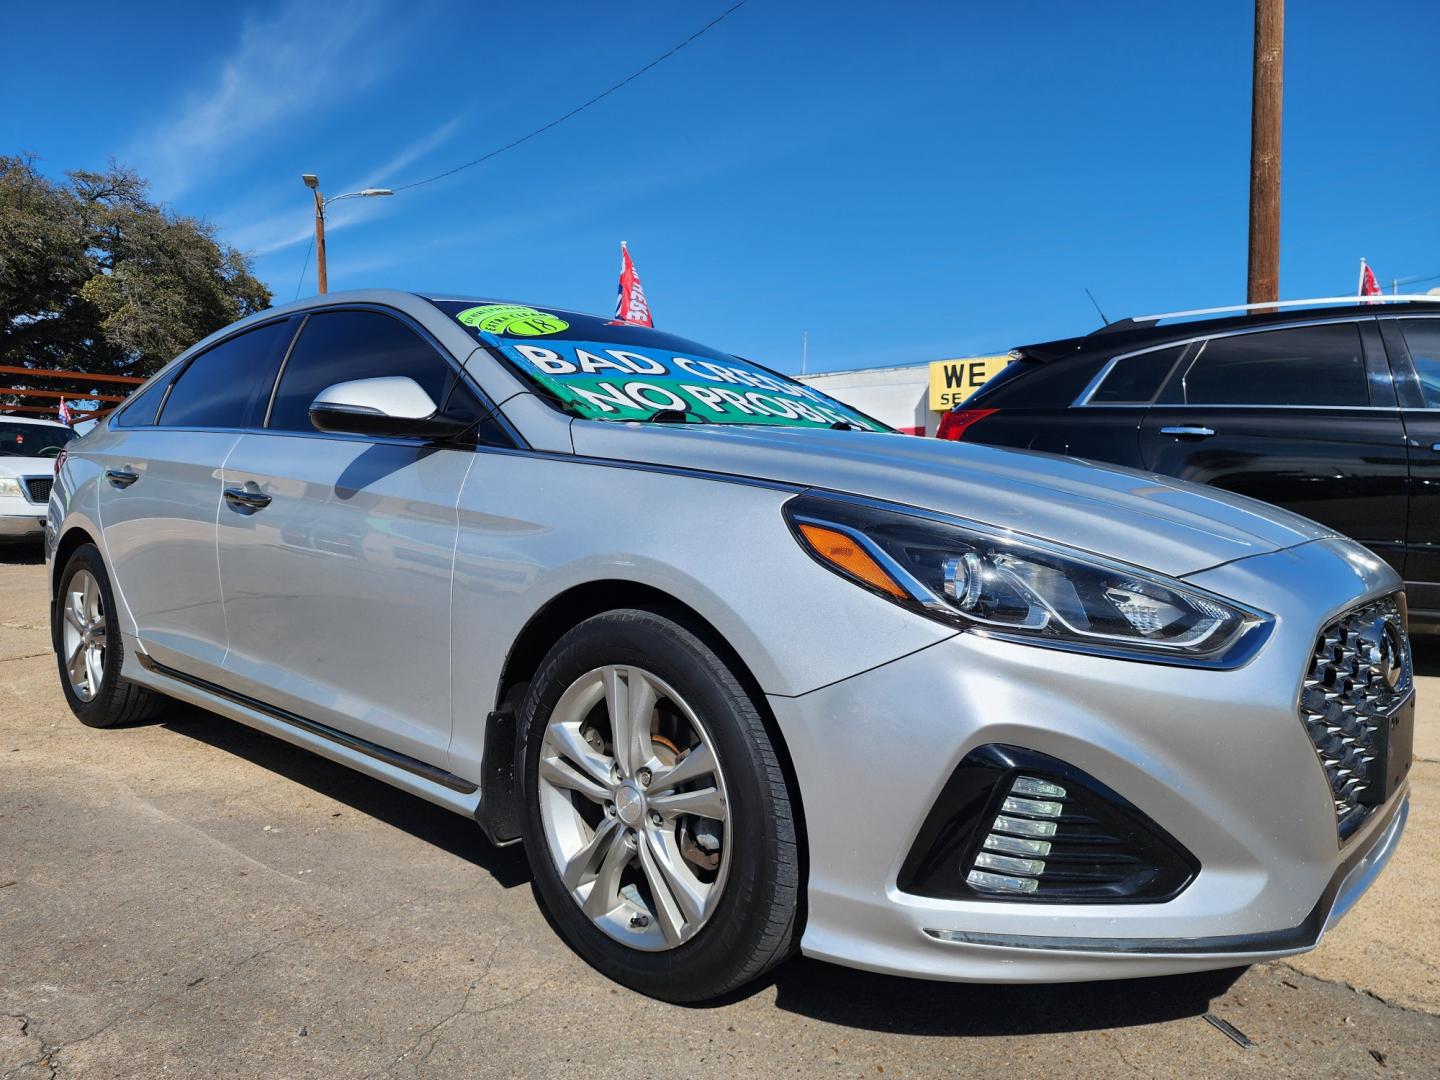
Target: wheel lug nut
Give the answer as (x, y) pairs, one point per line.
(656, 819)
(609, 809)
(644, 777)
(639, 922)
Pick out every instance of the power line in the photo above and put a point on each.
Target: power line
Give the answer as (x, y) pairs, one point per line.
(581, 108)
(304, 266)
(1416, 280)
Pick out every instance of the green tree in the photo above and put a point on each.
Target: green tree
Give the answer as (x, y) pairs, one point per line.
(95, 277)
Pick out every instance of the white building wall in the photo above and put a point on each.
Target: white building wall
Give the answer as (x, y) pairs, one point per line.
(900, 396)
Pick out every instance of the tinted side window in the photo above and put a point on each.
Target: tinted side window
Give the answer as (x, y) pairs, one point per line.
(139, 411)
(1422, 337)
(228, 386)
(1303, 365)
(338, 346)
(1134, 379)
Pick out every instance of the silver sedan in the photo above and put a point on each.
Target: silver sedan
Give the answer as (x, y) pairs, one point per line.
(746, 672)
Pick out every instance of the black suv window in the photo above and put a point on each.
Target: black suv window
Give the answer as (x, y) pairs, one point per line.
(1134, 379)
(338, 346)
(228, 385)
(1301, 365)
(1422, 336)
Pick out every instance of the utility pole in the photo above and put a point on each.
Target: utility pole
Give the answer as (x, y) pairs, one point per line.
(313, 183)
(804, 351)
(1265, 105)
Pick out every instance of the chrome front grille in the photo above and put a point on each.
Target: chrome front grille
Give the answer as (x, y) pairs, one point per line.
(1360, 673)
(37, 488)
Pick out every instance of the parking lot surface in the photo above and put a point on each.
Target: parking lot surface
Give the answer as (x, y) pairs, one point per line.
(193, 899)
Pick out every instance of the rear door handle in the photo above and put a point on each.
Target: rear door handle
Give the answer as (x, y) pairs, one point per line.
(1188, 432)
(1435, 447)
(121, 478)
(241, 498)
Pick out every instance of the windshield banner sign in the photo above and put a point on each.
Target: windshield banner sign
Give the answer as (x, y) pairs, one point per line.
(609, 383)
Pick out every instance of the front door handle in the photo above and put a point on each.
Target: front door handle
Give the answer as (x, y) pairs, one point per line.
(121, 478)
(1185, 432)
(244, 499)
(1435, 447)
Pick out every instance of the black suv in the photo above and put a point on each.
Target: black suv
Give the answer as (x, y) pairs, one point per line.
(1332, 412)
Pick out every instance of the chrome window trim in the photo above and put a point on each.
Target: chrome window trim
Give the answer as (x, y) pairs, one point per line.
(1084, 398)
(457, 367)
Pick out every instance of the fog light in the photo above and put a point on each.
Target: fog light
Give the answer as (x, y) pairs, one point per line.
(1001, 883)
(1021, 827)
(1016, 845)
(1033, 807)
(1044, 789)
(1014, 824)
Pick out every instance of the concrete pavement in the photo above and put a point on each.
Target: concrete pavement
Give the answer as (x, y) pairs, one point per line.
(193, 899)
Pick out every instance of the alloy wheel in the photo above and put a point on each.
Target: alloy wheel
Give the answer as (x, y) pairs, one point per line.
(83, 637)
(634, 809)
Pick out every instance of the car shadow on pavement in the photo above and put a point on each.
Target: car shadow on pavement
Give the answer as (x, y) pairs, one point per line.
(1425, 649)
(456, 835)
(21, 554)
(860, 999)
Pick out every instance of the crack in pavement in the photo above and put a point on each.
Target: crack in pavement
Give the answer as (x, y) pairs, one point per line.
(45, 1059)
(1358, 990)
(50, 1051)
(447, 1019)
(27, 656)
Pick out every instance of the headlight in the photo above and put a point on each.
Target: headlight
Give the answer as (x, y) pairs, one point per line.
(10, 487)
(1024, 589)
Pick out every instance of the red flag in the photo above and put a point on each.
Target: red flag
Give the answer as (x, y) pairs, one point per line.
(1368, 285)
(630, 305)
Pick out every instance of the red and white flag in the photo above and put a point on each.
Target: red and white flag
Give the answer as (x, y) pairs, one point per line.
(1368, 285)
(64, 412)
(630, 305)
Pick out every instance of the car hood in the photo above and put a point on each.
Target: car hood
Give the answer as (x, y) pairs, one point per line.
(27, 466)
(1141, 518)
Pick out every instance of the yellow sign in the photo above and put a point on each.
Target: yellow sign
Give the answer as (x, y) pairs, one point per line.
(952, 381)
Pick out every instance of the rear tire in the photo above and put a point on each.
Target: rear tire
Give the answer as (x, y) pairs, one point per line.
(86, 637)
(745, 922)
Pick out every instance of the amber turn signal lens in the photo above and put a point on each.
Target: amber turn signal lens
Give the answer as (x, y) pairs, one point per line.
(835, 547)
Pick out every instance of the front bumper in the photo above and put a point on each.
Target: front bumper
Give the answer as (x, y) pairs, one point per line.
(1218, 759)
(21, 519)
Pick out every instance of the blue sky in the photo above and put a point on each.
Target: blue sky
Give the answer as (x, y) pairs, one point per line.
(905, 181)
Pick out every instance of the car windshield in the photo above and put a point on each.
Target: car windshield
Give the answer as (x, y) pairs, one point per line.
(603, 370)
(32, 440)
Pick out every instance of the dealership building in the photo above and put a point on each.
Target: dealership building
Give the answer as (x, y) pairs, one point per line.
(911, 397)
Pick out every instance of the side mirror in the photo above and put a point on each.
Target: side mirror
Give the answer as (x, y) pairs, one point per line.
(389, 407)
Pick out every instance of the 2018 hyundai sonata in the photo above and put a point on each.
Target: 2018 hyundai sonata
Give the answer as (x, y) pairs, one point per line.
(744, 671)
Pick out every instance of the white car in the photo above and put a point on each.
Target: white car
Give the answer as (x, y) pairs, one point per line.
(28, 449)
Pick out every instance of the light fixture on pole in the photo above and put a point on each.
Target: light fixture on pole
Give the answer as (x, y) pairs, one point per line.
(313, 183)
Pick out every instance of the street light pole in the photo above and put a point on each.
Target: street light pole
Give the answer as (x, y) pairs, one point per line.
(313, 183)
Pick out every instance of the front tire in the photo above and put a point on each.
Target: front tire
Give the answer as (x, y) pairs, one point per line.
(86, 638)
(658, 823)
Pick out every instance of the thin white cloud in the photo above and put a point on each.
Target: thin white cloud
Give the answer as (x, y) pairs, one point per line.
(305, 56)
(295, 224)
(391, 170)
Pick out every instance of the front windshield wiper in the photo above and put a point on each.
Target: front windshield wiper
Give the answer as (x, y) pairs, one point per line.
(674, 415)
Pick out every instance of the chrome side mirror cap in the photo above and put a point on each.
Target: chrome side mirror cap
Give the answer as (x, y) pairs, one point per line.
(393, 406)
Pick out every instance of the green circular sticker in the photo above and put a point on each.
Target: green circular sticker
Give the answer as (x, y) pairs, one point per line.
(513, 319)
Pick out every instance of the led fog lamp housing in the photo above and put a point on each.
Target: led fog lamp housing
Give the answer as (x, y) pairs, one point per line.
(1021, 588)
(1014, 824)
